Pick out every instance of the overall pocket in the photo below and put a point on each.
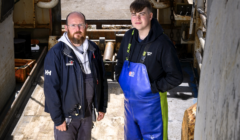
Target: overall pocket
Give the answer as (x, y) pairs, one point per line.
(134, 81)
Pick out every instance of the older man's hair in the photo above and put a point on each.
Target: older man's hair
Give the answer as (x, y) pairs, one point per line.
(73, 13)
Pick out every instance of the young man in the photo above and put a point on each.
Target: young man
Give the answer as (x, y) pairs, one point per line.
(147, 67)
(74, 82)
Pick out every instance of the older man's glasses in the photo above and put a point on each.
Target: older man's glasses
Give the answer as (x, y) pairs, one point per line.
(73, 26)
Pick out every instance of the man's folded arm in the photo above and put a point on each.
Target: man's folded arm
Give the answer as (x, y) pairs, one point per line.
(172, 68)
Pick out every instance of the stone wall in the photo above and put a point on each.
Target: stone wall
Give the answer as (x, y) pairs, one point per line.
(218, 112)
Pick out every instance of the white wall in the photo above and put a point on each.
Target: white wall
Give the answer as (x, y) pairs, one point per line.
(98, 9)
(105, 9)
(7, 72)
(218, 112)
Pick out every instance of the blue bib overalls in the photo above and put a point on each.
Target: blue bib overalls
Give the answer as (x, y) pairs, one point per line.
(143, 112)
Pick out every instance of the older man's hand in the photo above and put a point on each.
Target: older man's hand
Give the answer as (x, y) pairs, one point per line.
(100, 116)
(62, 127)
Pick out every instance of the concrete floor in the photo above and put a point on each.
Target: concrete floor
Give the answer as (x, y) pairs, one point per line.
(111, 128)
(35, 124)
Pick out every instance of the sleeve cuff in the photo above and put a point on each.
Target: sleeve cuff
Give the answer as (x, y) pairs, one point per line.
(104, 110)
(59, 122)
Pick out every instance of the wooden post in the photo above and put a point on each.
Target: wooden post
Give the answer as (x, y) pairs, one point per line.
(188, 123)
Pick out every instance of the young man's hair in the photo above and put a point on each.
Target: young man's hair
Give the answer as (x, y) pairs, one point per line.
(75, 12)
(138, 5)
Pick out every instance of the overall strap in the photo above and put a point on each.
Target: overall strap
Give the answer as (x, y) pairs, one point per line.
(129, 46)
(144, 52)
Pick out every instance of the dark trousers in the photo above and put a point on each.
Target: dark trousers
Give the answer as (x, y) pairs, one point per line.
(80, 129)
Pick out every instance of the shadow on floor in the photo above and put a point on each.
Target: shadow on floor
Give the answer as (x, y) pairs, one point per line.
(188, 88)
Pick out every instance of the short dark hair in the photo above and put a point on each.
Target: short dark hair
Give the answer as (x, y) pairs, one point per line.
(75, 12)
(138, 5)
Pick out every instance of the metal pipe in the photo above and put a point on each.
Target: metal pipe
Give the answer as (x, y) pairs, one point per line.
(114, 57)
(47, 5)
(192, 17)
(106, 40)
(202, 16)
(108, 53)
(200, 4)
(201, 39)
(199, 58)
(197, 42)
(56, 20)
(109, 61)
(160, 5)
(158, 13)
(101, 43)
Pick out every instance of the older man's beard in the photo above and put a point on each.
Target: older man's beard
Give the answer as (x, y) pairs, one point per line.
(79, 40)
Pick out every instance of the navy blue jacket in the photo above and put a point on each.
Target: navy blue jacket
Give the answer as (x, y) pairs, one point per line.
(64, 83)
(162, 63)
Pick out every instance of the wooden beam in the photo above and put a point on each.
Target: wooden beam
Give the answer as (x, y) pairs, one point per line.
(188, 123)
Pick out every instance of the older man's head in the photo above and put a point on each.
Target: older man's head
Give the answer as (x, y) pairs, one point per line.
(76, 27)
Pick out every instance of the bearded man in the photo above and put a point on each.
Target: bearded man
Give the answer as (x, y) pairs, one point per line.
(74, 82)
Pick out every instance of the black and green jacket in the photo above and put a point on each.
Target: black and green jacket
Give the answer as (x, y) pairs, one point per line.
(162, 63)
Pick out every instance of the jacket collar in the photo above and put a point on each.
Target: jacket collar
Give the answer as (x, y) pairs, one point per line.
(69, 52)
(90, 47)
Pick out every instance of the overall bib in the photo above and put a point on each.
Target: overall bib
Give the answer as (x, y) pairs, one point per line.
(145, 112)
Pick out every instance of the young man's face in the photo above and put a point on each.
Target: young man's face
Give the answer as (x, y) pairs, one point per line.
(141, 20)
(76, 28)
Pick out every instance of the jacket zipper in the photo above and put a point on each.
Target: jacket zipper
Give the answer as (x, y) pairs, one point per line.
(94, 71)
(82, 101)
(96, 80)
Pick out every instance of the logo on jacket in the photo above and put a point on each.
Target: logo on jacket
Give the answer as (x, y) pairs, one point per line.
(149, 53)
(70, 63)
(48, 72)
(131, 74)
